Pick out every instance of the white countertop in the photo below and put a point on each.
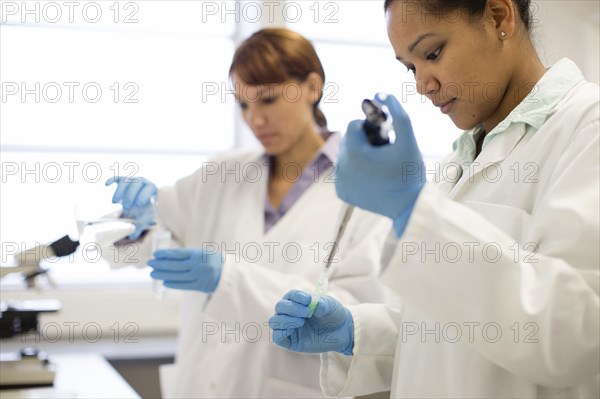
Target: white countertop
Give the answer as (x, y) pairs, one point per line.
(80, 375)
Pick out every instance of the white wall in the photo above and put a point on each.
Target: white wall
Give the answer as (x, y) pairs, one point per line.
(569, 28)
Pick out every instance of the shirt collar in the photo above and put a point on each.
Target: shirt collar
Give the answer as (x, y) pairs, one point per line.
(533, 110)
(331, 148)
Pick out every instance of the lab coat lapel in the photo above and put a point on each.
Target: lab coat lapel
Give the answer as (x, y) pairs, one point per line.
(251, 216)
(492, 156)
(314, 196)
(448, 173)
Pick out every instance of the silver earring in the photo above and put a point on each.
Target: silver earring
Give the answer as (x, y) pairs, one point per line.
(502, 34)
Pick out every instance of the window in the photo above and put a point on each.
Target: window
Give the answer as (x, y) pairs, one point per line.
(351, 39)
(94, 89)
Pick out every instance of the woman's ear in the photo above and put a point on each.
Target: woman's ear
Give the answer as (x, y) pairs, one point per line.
(314, 85)
(504, 17)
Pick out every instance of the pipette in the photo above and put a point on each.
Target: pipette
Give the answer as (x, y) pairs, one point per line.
(161, 239)
(323, 282)
(377, 126)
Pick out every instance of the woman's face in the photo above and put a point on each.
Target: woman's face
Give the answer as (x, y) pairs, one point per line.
(280, 115)
(457, 61)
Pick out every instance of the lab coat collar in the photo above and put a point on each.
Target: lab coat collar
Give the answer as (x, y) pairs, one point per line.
(546, 94)
(533, 110)
(329, 151)
(529, 115)
(491, 157)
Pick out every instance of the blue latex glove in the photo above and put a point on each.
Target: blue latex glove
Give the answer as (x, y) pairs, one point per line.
(387, 179)
(134, 194)
(187, 269)
(330, 329)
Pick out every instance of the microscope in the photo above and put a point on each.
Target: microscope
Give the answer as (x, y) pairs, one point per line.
(29, 367)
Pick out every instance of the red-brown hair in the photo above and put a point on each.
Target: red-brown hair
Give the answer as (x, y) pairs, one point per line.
(278, 55)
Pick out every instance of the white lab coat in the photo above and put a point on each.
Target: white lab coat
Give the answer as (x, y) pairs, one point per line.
(225, 347)
(498, 275)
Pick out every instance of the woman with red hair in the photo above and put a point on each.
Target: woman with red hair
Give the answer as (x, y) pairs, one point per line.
(250, 226)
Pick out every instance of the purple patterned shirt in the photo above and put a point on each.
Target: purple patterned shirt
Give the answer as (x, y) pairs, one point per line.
(320, 163)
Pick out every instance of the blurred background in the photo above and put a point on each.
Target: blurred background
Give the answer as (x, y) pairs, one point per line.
(92, 90)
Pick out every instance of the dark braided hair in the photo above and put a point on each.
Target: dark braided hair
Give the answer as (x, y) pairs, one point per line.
(475, 8)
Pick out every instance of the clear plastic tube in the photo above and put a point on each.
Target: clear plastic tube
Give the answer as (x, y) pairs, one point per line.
(161, 239)
(323, 282)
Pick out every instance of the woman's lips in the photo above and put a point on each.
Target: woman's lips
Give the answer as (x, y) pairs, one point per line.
(447, 106)
(267, 138)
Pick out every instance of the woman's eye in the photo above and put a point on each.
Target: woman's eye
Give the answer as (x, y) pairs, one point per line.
(269, 100)
(433, 56)
(243, 105)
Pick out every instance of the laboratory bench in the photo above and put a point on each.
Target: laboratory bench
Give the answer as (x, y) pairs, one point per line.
(102, 369)
(78, 375)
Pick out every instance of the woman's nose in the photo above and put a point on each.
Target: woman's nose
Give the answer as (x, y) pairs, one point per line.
(426, 83)
(255, 118)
